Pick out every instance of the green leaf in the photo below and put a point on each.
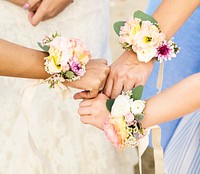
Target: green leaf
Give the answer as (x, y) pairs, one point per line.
(44, 48)
(69, 74)
(139, 117)
(109, 104)
(144, 17)
(117, 26)
(137, 92)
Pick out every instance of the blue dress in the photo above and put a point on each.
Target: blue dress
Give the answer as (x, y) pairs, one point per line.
(186, 63)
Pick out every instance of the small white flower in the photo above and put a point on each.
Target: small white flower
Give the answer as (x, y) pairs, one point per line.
(121, 106)
(137, 106)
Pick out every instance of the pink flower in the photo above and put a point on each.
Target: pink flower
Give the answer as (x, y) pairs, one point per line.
(65, 68)
(165, 52)
(111, 133)
(76, 67)
(129, 118)
(60, 43)
(80, 51)
(148, 37)
(129, 30)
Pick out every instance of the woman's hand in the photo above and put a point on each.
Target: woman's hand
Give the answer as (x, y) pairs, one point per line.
(125, 73)
(94, 111)
(93, 80)
(40, 10)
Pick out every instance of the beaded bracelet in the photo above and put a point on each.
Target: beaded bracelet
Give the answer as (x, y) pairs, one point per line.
(123, 127)
(142, 35)
(67, 58)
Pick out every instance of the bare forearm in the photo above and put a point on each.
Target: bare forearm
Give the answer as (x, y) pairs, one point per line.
(172, 14)
(18, 61)
(179, 100)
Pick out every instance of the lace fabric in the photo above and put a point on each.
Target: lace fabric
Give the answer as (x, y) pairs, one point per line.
(70, 146)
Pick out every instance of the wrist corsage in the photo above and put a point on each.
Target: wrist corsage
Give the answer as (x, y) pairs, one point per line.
(67, 58)
(123, 127)
(142, 35)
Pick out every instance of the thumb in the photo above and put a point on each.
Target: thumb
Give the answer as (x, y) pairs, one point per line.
(92, 121)
(85, 94)
(38, 14)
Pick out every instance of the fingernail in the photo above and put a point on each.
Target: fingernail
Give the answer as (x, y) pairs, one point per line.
(26, 6)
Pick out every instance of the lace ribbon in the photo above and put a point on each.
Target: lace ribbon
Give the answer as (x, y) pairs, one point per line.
(28, 94)
(158, 152)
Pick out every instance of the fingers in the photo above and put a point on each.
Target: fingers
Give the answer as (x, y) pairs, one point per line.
(117, 88)
(93, 81)
(92, 121)
(30, 15)
(85, 103)
(85, 107)
(86, 119)
(94, 111)
(130, 82)
(80, 95)
(84, 110)
(108, 86)
(26, 6)
(114, 84)
(37, 10)
(38, 15)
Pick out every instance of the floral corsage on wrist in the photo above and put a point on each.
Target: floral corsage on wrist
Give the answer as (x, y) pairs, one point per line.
(67, 58)
(142, 35)
(123, 127)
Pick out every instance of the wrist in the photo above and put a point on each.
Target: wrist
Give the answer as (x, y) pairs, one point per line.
(123, 126)
(142, 35)
(133, 57)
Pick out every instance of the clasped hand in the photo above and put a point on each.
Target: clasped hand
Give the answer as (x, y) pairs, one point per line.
(45, 9)
(40, 10)
(125, 73)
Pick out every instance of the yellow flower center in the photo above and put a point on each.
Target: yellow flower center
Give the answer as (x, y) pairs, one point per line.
(147, 39)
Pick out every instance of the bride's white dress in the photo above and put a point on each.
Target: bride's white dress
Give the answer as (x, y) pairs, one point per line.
(70, 146)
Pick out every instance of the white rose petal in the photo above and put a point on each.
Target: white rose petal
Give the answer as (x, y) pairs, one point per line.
(66, 55)
(61, 43)
(121, 106)
(53, 68)
(137, 106)
(146, 55)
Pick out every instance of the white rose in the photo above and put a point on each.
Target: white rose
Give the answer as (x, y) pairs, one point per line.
(137, 106)
(61, 43)
(147, 54)
(52, 68)
(121, 106)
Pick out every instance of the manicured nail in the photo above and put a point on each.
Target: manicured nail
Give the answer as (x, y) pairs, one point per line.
(26, 6)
